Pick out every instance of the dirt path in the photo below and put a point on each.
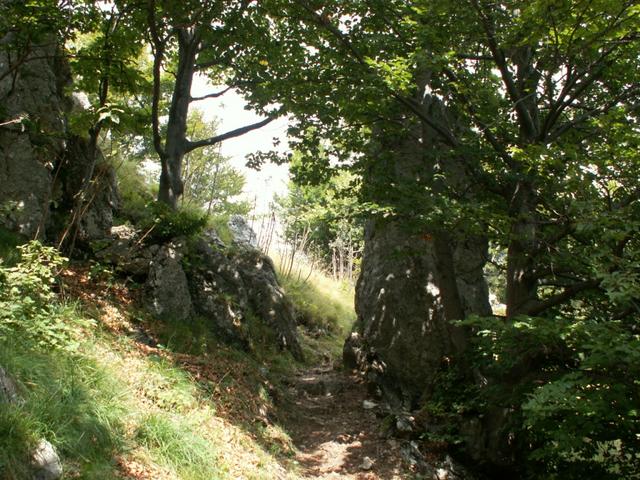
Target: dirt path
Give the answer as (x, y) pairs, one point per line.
(335, 435)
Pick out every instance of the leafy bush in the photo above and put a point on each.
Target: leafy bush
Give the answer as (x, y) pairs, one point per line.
(166, 223)
(27, 307)
(576, 384)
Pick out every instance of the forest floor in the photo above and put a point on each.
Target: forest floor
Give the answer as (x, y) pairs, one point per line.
(335, 436)
(165, 401)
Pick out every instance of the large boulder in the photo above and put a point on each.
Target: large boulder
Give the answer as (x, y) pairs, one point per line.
(218, 291)
(101, 197)
(402, 318)
(267, 299)
(421, 271)
(168, 296)
(232, 287)
(42, 165)
(235, 289)
(126, 252)
(31, 136)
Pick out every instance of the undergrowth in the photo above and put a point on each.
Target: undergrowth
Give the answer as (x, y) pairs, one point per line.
(324, 309)
(114, 407)
(121, 397)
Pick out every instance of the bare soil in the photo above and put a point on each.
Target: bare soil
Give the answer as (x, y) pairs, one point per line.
(336, 437)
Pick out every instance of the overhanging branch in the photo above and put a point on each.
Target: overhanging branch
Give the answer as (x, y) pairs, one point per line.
(210, 95)
(226, 136)
(567, 294)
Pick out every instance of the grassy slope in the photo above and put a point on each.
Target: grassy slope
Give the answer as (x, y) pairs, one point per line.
(324, 306)
(187, 408)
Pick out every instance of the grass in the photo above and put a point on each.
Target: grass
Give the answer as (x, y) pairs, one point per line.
(324, 307)
(116, 408)
(189, 408)
(69, 400)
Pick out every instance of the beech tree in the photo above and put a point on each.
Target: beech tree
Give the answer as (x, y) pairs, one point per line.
(522, 119)
(190, 38)
(529, 90)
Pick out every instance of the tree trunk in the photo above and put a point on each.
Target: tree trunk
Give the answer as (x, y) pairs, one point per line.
(521, 286)
(171, 186)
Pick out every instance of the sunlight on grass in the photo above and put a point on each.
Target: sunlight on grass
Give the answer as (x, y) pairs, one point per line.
(324, 306)
(114, 408)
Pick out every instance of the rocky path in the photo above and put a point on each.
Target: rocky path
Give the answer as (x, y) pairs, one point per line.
(336, 433)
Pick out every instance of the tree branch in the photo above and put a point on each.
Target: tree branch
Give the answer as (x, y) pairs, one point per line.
(210, 95)
(562, 129)
(415, 107)
(190, 146)
(501, 62)
(561, 297)
(159, 47)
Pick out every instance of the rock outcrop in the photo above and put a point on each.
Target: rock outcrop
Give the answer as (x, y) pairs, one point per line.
(402, 317)
(167, 287)
(232, 287)
(42, 165)
(32, 136)
(418, 276)
(235, 289)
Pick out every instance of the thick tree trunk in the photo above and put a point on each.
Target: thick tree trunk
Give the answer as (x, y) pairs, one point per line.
(521, 284)
(171, 186)
(416, 280)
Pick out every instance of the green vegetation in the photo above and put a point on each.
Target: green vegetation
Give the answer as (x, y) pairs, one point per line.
(579, 403)
(448, 124)
(324, 308)
(323, 220)
(111, 409)
(106, 406)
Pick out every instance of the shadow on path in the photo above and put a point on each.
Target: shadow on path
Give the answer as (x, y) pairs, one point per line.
(335, 435)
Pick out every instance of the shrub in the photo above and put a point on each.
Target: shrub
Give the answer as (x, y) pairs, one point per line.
(27, 307)
(165, 223)
(575, 385)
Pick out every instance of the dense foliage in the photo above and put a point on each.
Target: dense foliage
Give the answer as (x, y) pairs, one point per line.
(324, 220)
(522, 118)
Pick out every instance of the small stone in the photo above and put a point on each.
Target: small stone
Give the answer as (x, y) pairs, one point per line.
(404, 425)
(442, 474)
(368, 405)
(367, 464)
(46, 462)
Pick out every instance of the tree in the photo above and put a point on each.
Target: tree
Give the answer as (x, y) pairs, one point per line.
(529, 88)
(327, 215)
(190, 38)
(210, 182)
(514, 122)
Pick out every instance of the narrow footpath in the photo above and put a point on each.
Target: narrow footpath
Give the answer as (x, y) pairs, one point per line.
(336, 432)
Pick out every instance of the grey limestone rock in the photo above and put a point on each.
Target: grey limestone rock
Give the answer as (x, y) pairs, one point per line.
(168, 294)
(418, 277)
(32, 137)
(43, 165)
(242, 232)
(124, 250)
(46, 462)
(226, 284)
